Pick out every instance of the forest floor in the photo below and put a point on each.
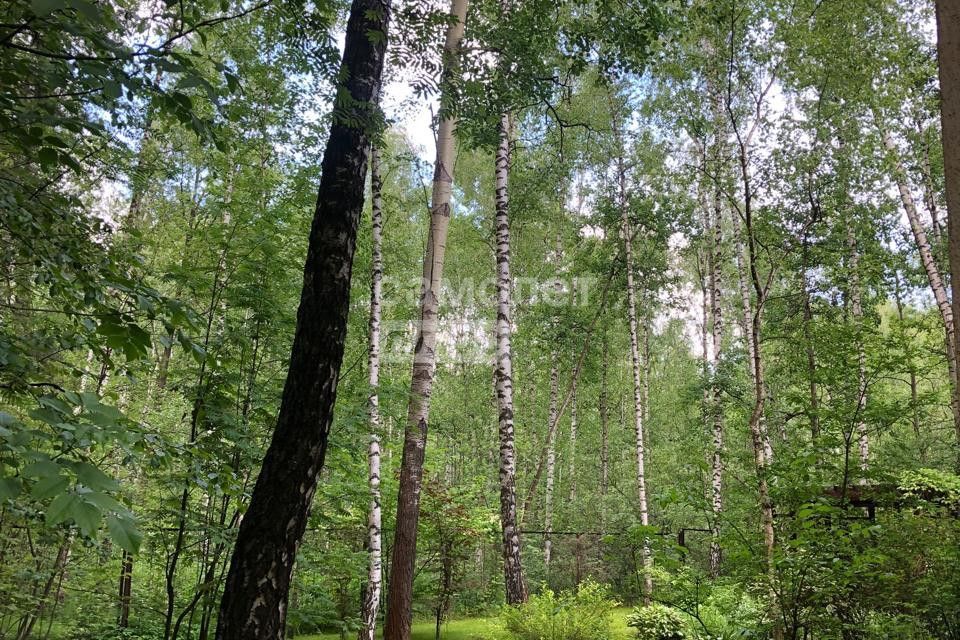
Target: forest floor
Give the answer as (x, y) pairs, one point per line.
(477, 629)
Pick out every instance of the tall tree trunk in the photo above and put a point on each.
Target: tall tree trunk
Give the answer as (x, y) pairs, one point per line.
(933, 272)
(912, 371)
(948, 51)
(402, 567)
(28, 621)
(808, 342)
(863, 440)
(551, 463)
(758, 430)
(371, 599)
(572, 506)
(929, 190)
(572, 454)
(715, 230)
(125, 590)
(748, 270)
(604, 435)
(516, 588)
(254, 603)
(638, 409)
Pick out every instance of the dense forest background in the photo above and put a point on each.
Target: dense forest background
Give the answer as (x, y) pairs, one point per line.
(727, 310)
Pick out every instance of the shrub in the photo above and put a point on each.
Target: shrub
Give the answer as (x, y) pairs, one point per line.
(583, 614)
(657, 622)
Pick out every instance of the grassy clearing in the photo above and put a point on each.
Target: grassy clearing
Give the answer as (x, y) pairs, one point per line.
(478, 629)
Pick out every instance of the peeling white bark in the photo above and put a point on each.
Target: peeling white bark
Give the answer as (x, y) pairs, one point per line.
(371, 600)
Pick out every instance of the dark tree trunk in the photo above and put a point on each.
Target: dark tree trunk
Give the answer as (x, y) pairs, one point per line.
(948, 50)
(125, 590)
(255, 594)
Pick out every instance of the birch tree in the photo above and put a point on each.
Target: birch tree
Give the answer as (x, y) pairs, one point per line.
(516, 589)
(635, 358)
(930, 267)
(403, 562)
(254, 603)
(371, 597)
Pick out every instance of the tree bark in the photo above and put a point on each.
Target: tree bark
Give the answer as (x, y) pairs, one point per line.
(551, 463)
(515, 586)
(402, 567)
(948, 51)
(812, 385)
(715, 231)
(25, 628)
(933, 272)
(573, 450)
(255, 594)
(856, 304)
(371, 598)
(604, 410)
(125, 589)
(638, 409)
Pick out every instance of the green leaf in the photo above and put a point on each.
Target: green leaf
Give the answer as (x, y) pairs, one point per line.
(124, 532)
(87, 517)
(88, 10)
(92, 477)
(104, 502)
(43, 8)
(9, 488)
(47, 156)
(112, 89)
(49, 487)
(42, 468)
(60, 508)
(233, 82)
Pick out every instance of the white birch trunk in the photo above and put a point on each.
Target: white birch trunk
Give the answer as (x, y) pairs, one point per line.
(715, 230)
(551, 465)
(863, 440)
(764, 454)
(371, 600)
(573, 449)
(403, 562)
(931, 269)
(516, 590)
(638, 410)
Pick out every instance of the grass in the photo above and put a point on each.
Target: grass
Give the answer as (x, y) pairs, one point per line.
(477, 629)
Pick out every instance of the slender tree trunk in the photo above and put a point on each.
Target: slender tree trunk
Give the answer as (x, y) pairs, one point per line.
(758, 430)
(912, 371)
(933, 272)
(125, 589)
(551, 463)
(638, 409)
(863, 440)
(763, 452)
(604, 435)
(59, 566)
(929, 190)
(572, 506)
(573, 450)
(809, 344)
(516, 588)
(371, 599)
(402, 568)
(716, 400)
(254, 603)
(948, 50)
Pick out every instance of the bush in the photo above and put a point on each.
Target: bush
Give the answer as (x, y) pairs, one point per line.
(658, 622)
(580, 615)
